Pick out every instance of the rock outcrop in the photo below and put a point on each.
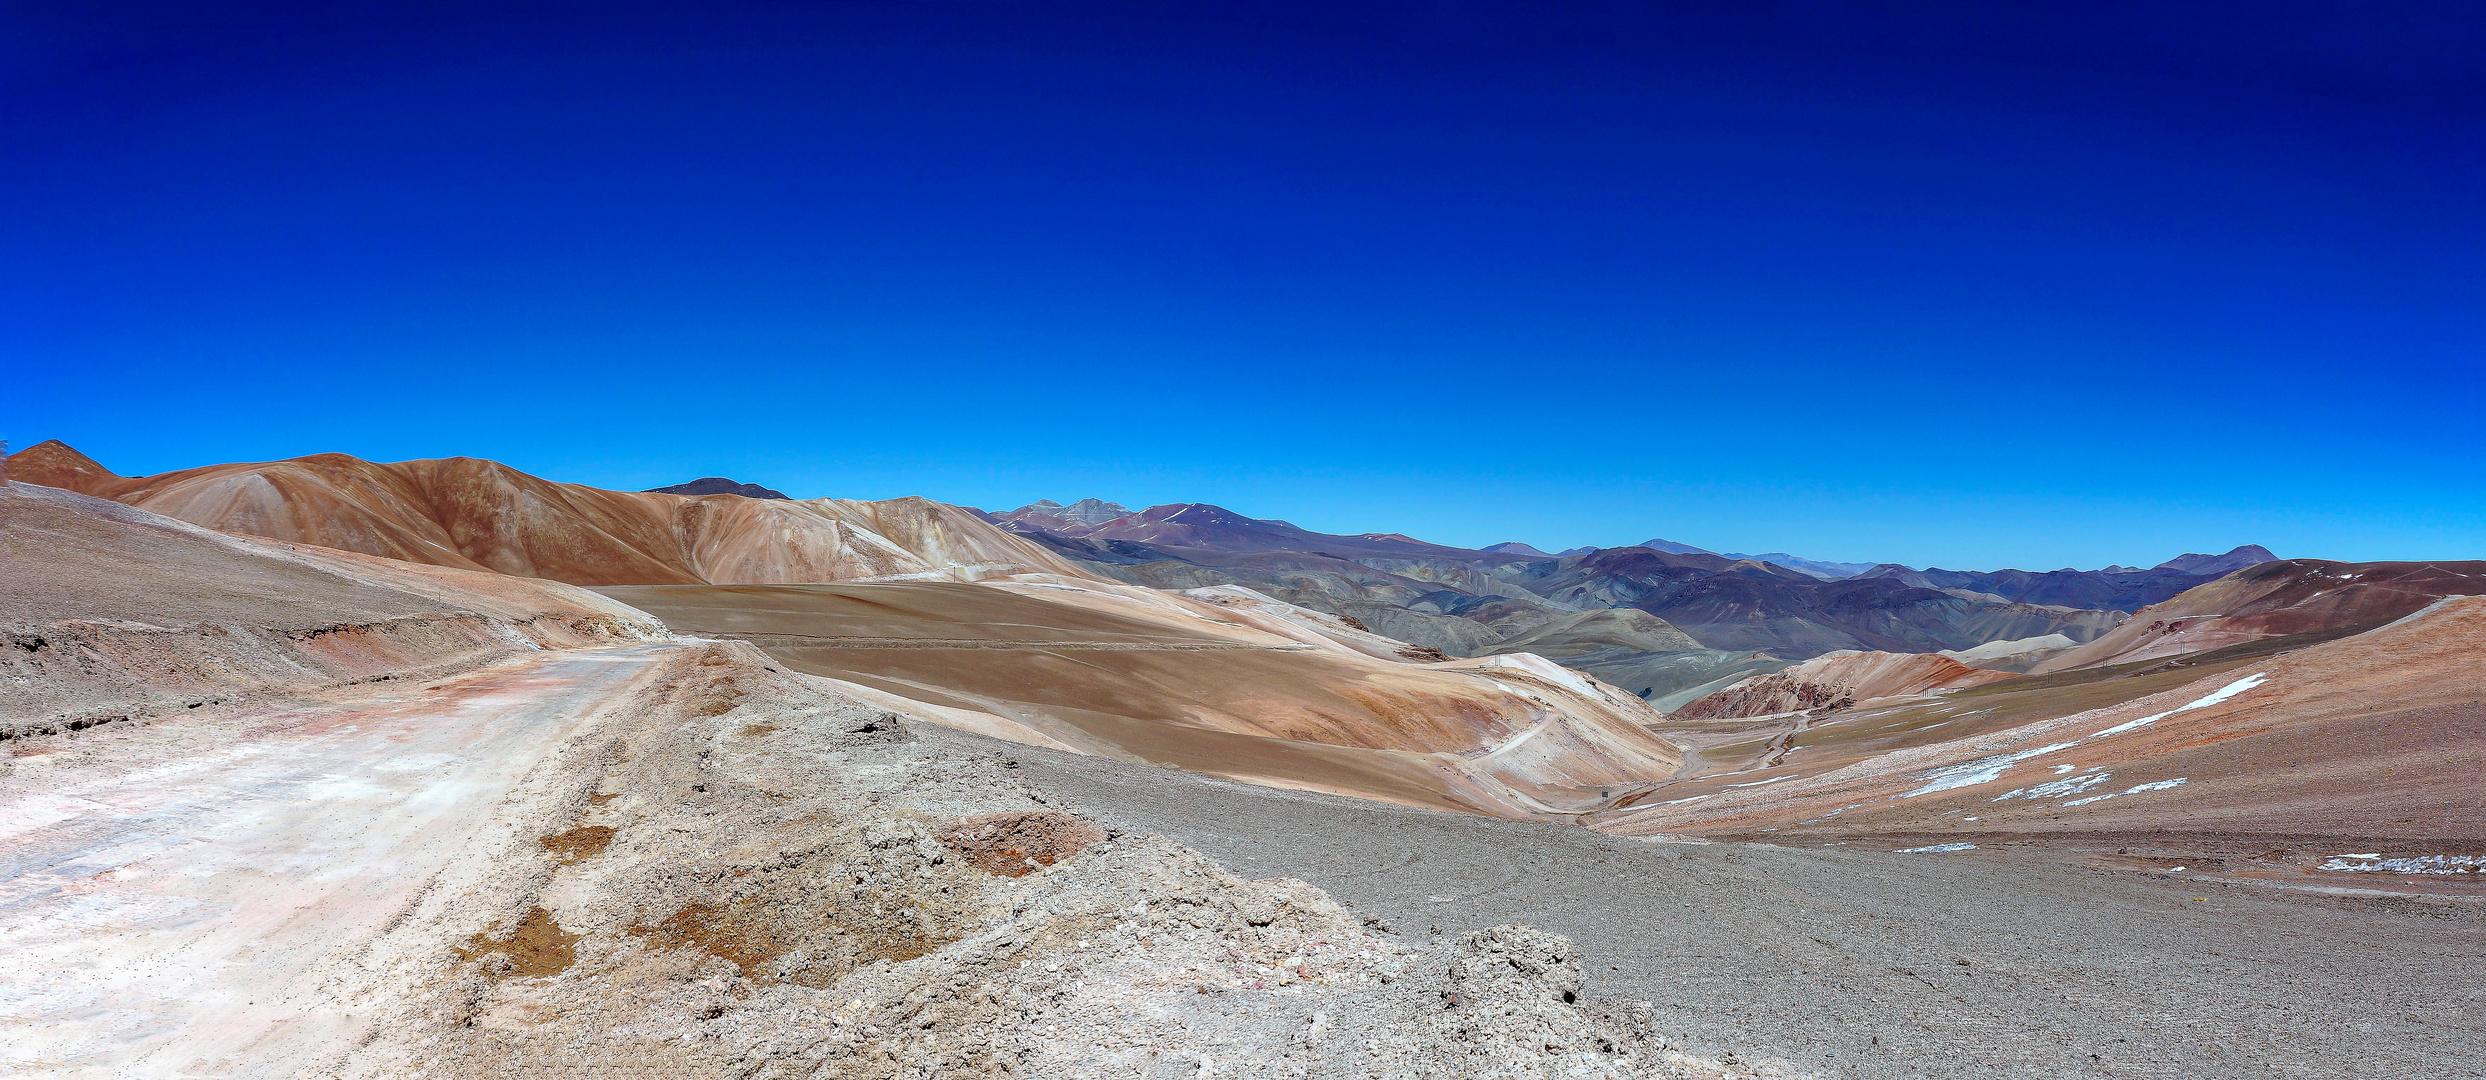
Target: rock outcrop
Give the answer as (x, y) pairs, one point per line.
(1837, 681)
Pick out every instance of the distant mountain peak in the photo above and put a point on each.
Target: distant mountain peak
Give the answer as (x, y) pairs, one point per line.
(1820, 568)
(53, 463)
(1672, 548)
(1514, 547)
(1083, 512)
(2219, 565)
(718, 485)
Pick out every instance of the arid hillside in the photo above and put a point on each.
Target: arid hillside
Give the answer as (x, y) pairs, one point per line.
(2376, 739)
(1837, 681)
(2276, 599)
(1224, 682)
(482, 515)
(274, 811)
(114, 614)
(928, 609)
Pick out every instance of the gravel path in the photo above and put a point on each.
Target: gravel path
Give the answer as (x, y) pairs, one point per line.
(201, 897)
(1844, 961)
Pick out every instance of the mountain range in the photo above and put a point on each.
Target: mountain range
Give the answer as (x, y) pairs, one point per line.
(1191, 636)
(1663, 620)
(1715, 618)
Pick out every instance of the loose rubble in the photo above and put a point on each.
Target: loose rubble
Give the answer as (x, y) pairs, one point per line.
(794, 886)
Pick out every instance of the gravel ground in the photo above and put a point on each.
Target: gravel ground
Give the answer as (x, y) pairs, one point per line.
(1849, 961)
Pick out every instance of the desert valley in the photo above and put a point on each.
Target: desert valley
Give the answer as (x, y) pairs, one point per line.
(1105, 540)
(334, 767)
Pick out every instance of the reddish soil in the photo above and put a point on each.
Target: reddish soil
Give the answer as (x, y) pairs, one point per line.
(1019, 842)
(537, 946)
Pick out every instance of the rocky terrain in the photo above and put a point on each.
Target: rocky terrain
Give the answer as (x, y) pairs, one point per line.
(282, 809)
(2163, 956)
(1224, 680)
(2116, 588)
(633, 854)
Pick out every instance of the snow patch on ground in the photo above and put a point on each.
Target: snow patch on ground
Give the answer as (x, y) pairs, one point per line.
(2421, 864)
(1936, 849)
(1771, 780)
(2058, 788)
(2214, 697)
(1981, 771)
(1989, 769)
(2135, 789)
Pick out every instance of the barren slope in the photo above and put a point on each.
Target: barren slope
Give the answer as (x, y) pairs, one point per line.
(482, 515)
(1835, 681)
(661, 857)
(2377, 739)
(112, 613)
(2276, 599)
(1223, 682)
(1357, 713)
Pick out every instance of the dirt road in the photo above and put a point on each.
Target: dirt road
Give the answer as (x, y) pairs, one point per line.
(1845, 961)
(150, 877)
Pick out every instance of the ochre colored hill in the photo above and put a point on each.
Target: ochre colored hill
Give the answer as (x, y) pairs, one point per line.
(114, 613)
(481, 515)
(1838, 680)
(53, 463)
(2276, 599)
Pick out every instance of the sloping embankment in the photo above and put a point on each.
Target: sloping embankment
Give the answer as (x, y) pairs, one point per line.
(114, 613)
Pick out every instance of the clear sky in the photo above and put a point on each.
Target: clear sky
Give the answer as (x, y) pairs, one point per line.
(1973, 286)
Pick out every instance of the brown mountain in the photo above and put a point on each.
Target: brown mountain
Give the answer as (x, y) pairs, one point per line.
(113, 613)
(2277, 599)
(482, 515)
(2119, 589)
(2280, 752)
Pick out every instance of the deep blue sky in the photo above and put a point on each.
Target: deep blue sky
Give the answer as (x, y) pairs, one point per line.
(1970, 288)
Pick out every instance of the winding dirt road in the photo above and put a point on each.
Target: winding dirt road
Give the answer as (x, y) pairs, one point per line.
(208, 896)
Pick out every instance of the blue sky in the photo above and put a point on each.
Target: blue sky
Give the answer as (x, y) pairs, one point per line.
(1929, 284)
